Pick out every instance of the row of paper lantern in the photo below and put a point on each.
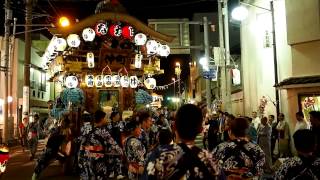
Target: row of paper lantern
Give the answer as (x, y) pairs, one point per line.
(110, 81)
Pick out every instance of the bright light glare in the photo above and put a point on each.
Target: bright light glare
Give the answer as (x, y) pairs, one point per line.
(177, 64)
(239, 13)
(64, 22)
(10, 99)
(204, 62)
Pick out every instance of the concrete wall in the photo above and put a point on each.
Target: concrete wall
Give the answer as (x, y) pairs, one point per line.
(258, 61)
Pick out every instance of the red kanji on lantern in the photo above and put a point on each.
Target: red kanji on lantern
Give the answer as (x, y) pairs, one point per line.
(128, 32)
(101, 29)
(115, 30)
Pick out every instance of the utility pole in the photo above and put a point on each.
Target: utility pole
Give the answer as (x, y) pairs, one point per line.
(227, 55)
(207, 56)
(225, 91)
(6, 62)
(27, 59)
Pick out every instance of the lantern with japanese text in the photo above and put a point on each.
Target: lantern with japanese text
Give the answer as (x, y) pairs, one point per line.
(107, 81)
(115, 30)
(88, 34)
(116, 80)
(164, 51)
(138, 60)
(128, 32)
(140, 39)
(60, 44)
(90, 59)
(90, 80)
(73, 40)
(71, 82)
(133, 81)
(152, 47)
(99, 81)
(150, 83)
(124, 81)
(101, 29)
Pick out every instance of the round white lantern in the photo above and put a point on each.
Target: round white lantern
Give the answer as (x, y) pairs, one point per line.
(150, 83)
(73, 40)
(71, 82)
(99, 81)
(138, 60)
(90, 59)
(90, 80)
(107, 80)
(124, 81)
(152, 47)
(116, 80)
(101, 29)
(60, 44)
(164, 51)
(133, 81)
(88, 34)
(140, 39)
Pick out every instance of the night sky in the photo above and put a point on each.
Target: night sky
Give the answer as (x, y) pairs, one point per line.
(47, 11)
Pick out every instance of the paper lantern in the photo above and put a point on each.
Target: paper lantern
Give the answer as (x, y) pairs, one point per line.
(71, 82)
(159, 48)
(99, 81)
(138, 60)
(73, 40)
(101, 29)
(164, 51)
(90, 80)
(124, 81)
(140, 39)
(88, 34)
(107, 80)
(152, 47)
(90, 59)
(134, 81)
(60, 44)
(150, 83)
(116, 80)
(115, 30)
(128, 32)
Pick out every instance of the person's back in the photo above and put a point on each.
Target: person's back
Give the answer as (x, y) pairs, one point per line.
(239, 156)
(306, 165)
(183, 160)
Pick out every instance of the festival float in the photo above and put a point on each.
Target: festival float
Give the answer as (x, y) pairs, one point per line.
(103, 62)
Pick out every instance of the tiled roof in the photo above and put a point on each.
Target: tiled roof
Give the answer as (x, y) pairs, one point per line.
(299, 81)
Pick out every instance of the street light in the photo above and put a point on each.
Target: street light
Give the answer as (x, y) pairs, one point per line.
(240, 14)
(64, 21)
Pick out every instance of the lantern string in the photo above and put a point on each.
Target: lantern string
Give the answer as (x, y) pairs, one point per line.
(108, 70)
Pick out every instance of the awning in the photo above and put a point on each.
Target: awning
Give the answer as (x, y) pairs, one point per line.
(299, 82)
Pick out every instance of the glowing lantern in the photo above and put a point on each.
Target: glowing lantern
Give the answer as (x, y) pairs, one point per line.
(101, 29)
(152, 47)
(140, 39)
(134, 81)
(71, 82)
(73, 40)
(159, 48)
(137, 60)
(128, 32)
(124, 81)
(107, 80)
(164, 51)
(90, 80)
(99, 81)
(115, 30)
(90, 59)
(116, 80)
(88, 34)
(150, 83)
(60, 44)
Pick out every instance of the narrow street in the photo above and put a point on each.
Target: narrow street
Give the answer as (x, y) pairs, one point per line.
(21, 168)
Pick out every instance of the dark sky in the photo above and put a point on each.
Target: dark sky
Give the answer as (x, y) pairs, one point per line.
(47, 11)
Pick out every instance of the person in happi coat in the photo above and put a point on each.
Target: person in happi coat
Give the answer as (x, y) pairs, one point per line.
(96, 149)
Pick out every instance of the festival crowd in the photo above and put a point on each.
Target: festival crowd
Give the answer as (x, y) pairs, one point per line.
(161, 144)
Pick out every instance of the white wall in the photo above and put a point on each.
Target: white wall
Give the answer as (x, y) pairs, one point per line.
(257, 61)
